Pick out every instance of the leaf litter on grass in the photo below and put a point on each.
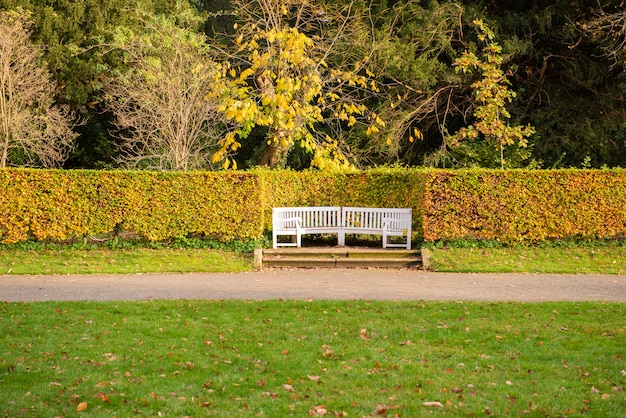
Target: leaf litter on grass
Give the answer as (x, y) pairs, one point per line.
(293, 358)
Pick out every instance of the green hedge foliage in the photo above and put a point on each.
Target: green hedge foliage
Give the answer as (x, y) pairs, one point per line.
(518, 205)
(511, 205)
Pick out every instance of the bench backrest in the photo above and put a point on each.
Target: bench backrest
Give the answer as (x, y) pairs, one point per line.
(309, 217)
(376, 218)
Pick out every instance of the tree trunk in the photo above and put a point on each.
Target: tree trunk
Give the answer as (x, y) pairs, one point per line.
(274, 156)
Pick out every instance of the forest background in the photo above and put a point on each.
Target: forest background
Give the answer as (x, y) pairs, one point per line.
(354, 83)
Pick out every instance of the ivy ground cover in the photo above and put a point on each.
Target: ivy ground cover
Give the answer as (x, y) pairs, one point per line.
(312, 358)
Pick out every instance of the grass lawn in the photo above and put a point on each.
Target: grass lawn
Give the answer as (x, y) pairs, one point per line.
(120, 261)
(598, 257)
(604, 259)
(298, 358)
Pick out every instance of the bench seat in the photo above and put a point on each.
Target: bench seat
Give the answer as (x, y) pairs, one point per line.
(298, 221)
(388, 222)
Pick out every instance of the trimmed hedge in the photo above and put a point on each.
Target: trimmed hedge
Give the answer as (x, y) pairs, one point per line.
(58, 205)
(522, 205)
(511, 205)
(401, 188)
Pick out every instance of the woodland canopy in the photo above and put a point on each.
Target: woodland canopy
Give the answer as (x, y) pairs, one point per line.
(348, 83)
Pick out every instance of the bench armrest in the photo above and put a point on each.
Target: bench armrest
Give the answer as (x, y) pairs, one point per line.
(388, 223)
(281, 222)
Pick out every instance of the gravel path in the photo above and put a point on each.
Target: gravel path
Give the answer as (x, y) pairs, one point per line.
(303, 284)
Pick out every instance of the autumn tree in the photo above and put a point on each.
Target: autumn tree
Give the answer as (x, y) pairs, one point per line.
(491, 95)
(164, 116)
(296, 72)
(35, 131)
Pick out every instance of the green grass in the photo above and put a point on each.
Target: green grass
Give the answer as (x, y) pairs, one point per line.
(119, 261)
(296, 358)
(605, 259)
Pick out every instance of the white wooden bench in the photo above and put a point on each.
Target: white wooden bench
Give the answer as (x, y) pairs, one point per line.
(297, 221)
(377, 221)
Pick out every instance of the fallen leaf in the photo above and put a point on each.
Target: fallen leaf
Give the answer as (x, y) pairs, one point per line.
(433, 404)
(110, 356)
(318, 411)
(103, 397)
(383, 410)
(313, 378)
(327, 351)
(363, 334)
(605, 396)
(81, 406)
(288, 388)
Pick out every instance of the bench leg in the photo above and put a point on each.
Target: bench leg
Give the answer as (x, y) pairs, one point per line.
(387, 242)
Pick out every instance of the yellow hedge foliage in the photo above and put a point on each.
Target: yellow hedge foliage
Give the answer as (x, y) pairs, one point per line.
(507, 205)
(391, 188)
(519, 205)
(58, 205)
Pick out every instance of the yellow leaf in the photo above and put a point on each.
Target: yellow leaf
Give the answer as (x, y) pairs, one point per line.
(81, 406)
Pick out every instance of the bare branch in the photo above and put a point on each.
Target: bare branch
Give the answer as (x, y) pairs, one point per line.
(165, 117)
(610, 28)
(34, 131)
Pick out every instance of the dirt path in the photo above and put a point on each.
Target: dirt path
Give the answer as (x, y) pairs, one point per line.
(339, 284)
